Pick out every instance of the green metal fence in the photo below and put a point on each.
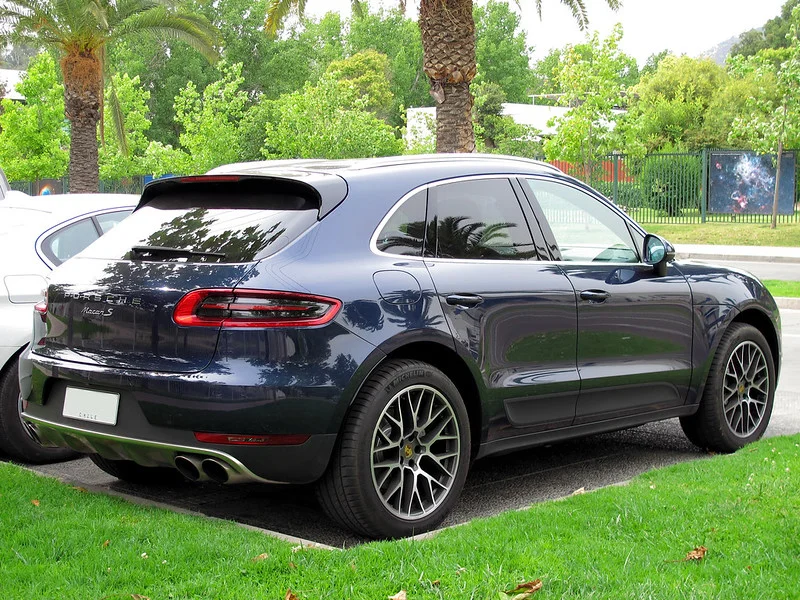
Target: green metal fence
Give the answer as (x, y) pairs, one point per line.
(128, 185)
(675, 187)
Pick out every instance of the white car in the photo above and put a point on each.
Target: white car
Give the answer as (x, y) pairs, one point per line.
(6, 193)
(36, 235)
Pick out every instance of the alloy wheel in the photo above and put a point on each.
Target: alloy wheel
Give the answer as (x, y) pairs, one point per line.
(745, 389)
(415, 452)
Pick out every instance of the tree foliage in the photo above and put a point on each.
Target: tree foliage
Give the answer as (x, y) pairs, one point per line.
(294, 128)
(772, 35)
(592, 89)
(132, 100)
(34, 142)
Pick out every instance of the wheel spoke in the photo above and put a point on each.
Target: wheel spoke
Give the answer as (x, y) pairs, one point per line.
(745, 389)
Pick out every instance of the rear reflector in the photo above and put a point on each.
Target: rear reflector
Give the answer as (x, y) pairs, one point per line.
(251, 440)
(41, 309)
(253, 308)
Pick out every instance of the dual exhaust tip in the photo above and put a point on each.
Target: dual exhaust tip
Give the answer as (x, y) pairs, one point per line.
(196, 468)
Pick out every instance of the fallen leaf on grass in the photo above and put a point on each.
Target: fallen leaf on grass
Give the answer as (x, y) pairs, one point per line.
(296, 549)
(106, 543)
(697, 554)
(78, 488)
(435, 583)
(290, 596)
(525, 590)
(292, 565)
(579, 491)
(460, 570)
(260, 557)
(401, 595)
(35, 502)
(139, 597)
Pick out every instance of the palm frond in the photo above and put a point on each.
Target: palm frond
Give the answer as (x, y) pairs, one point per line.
(358, 8)
(194, 30)
(119, 119)
(278, 11)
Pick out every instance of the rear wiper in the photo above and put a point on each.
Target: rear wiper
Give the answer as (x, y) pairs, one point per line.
(142, 252)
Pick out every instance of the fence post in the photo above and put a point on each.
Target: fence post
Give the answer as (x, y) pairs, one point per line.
(704, 187)
(615, 182)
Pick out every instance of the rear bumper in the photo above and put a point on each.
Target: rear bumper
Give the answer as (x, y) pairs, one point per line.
(159, 413)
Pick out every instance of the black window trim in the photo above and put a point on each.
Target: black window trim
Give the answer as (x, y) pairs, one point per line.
(552, 244)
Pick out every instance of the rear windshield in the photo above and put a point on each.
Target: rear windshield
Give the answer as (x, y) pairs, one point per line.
(230, 228)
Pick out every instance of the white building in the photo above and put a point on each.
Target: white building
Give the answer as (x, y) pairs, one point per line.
(10, 78)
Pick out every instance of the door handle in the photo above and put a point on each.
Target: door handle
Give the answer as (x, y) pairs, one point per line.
(595, 296)
(464, 300)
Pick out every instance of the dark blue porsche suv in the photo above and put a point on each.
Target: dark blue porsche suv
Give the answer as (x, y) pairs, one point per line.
(375, 325)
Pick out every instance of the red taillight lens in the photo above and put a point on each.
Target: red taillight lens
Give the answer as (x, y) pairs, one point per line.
(253, 308)
(41, 309)
(251, 440)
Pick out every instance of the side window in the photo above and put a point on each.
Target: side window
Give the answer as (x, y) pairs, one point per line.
(108, 221)
(404, 232)
(480, 219)
(585, 229)
(67, 242)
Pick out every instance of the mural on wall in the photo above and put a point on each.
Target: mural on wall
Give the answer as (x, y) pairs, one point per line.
(744, 183)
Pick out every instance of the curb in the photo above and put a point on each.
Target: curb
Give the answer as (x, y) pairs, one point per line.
(788, 303)
(735, 258)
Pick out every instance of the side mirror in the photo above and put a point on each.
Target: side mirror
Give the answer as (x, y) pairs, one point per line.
(658, 252)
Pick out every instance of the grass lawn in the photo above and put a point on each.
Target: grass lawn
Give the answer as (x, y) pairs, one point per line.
(622, 542)
(786, 289)
(735, 234)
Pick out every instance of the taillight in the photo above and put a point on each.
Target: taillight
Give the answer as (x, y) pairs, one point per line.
(41, 309)
(253, 308)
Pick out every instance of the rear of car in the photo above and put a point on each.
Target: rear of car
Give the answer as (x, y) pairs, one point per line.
(155, 355)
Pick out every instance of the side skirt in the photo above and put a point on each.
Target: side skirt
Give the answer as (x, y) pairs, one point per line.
(566, 433)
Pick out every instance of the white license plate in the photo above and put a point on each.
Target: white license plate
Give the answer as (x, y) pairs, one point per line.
(88, 405)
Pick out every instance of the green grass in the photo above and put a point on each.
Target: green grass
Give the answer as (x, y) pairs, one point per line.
(619, 542)
(735, 234)
(785, 289)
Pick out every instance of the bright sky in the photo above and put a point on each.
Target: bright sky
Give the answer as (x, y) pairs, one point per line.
(683, 26)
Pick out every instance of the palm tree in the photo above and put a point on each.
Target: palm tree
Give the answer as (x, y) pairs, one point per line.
(448, 43)
(80, 31)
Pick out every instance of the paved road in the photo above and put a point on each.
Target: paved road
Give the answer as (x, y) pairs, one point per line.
(494, 484)
(762, 270)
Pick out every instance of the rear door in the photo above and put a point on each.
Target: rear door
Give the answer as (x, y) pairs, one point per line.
(634, 328)
(113, 304)
(510, 313)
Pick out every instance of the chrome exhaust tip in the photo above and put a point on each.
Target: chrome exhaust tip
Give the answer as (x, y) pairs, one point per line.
(190, 467)
(218, 471)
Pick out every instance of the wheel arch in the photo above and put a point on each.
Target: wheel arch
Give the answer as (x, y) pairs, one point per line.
(762, 322)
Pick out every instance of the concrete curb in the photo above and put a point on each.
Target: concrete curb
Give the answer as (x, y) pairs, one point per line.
(734, 258)
(788, 303)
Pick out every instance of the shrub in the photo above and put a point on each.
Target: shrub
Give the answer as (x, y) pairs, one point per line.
(629, 194)
(671, 182)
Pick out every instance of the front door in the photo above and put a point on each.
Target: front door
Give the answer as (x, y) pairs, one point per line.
(634, 328)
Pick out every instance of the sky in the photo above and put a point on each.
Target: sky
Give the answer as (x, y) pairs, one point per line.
(682, 26)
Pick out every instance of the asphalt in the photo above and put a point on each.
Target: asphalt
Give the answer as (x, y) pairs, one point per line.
(495, 484)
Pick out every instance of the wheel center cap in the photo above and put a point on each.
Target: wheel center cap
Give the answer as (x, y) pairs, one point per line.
(741, 388)
(408, 452)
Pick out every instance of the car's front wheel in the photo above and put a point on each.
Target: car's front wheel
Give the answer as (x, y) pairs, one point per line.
(738, 397)
(403, 455)
(16, 439)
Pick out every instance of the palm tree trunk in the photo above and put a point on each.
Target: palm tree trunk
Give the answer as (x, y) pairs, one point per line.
(448, 42)
(82, 76)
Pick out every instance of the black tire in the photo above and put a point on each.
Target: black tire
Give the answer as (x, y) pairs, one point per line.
(710, 427)
(349, 492)
(15, 440)
(132, 472)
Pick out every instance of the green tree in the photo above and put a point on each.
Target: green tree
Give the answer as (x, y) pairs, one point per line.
(367, 72)
(497, 133)
(349, 131)
(80, 32)
(33, 136)
(448, 41)
(773, 121)
(210, 121)
(502, 50)
(592, 91)
(673, 102)
(774, 33)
